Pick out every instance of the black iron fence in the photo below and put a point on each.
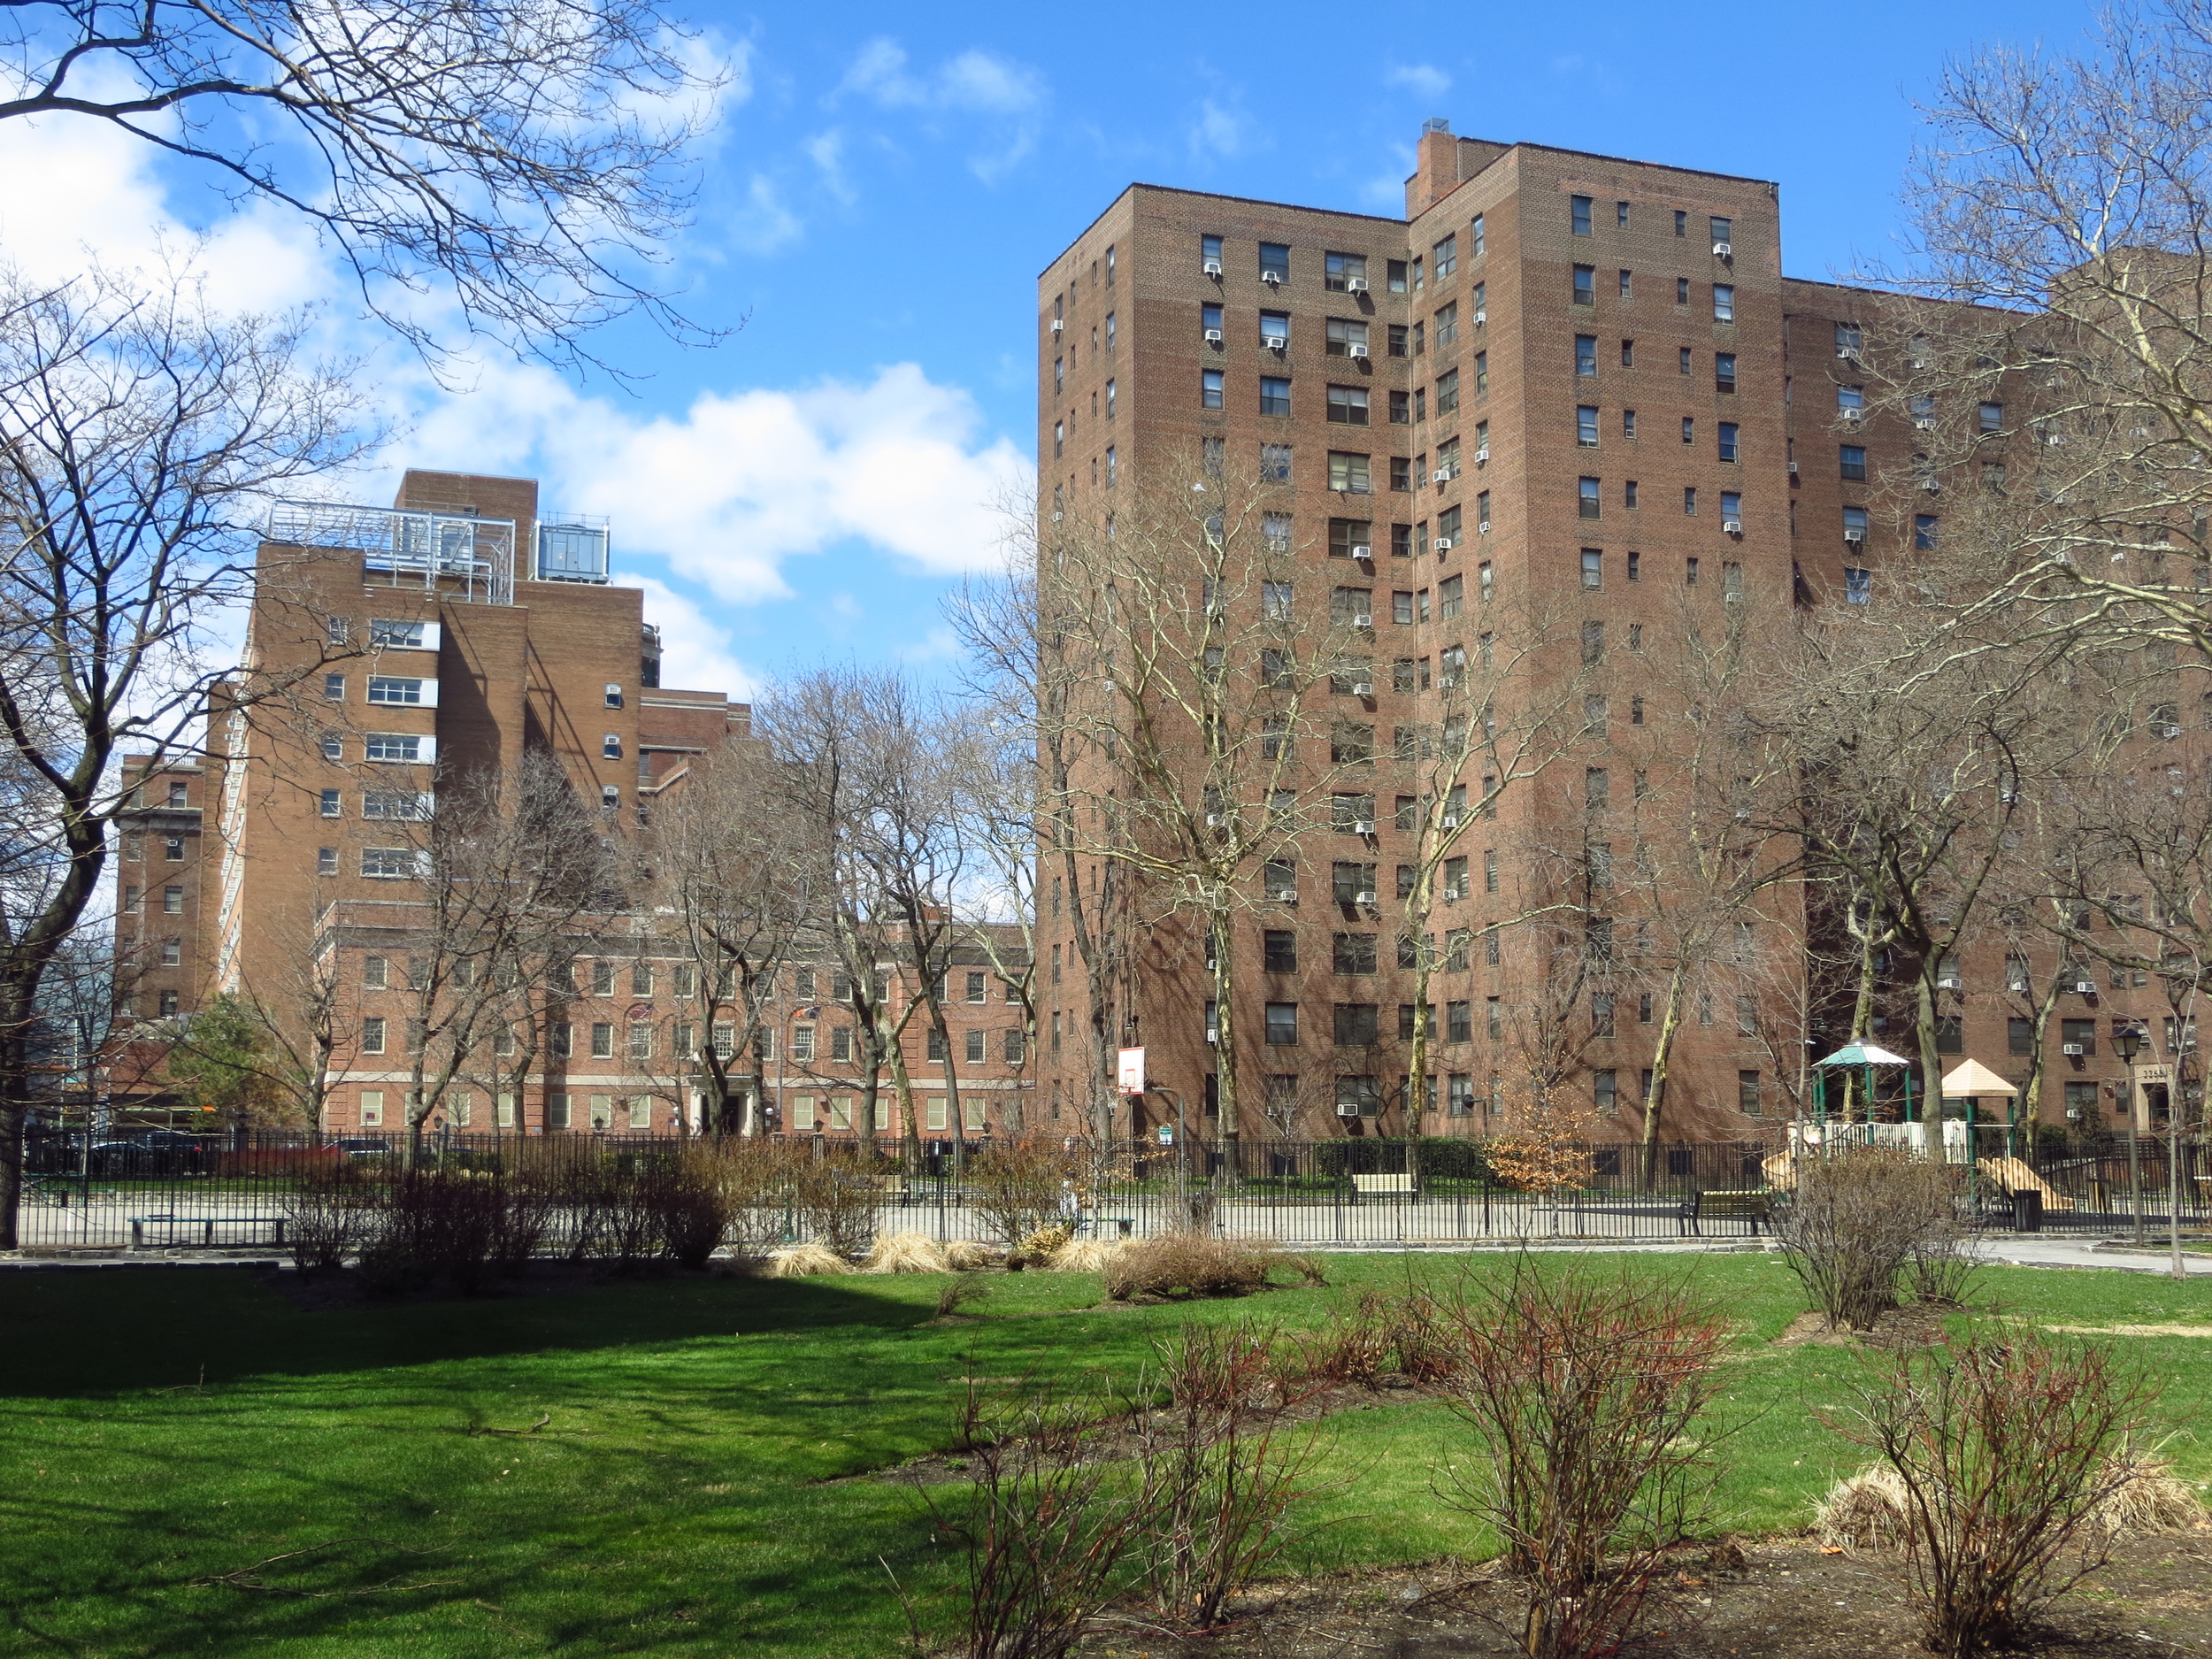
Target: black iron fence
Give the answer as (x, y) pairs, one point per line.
(162, 1190)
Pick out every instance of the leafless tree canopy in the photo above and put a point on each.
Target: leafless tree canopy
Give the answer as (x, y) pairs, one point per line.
(527, 158)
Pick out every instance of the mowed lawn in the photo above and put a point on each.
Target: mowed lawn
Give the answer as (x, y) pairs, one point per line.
(188, 1464)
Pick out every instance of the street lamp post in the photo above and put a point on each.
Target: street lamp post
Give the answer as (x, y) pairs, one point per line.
(2128, 1040)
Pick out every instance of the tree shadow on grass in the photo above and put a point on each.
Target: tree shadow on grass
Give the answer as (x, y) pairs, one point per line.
(114, 1330)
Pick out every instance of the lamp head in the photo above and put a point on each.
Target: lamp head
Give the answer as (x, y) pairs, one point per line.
(2127, 1042)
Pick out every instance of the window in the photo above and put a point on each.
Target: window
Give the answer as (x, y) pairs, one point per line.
(1586, 354)
(1401, 409)
(1212, 390)
(325, 860)
(1728, 448)
(1449, 594)
(2080, 1033)
(641, 1041)
(1352, 952)
(1349, 473)
(1924, 531)
(1858, 587)
(1348, 405)
(1731, 509)
(1275, 463)
(1448, 391)
(1636, 575)
(1209, 250)
(388, 863)
(1445, 257)
(1625, 277)
(1113, 470)
(398, 746)
(1851, 461)
(171, 953)
(1586, 489)
(1282, 1024)
(1854, 524)
(1682, 359)
(1398, 347)
(1357, 1026)
(1111, 333)
(1351, 538)
(1747, 1093)
(1274, 262)
(1447, 323)
(1274, 395)
(330, 806)
(1578, 214)
(393, 690)
(1682, 290)
(1586, 285)
(333, 687)
(334, 746)
(1586, 427)
(1689, 500)
(1724, 303)
(1593, 569)
(1724, 371)
(1990, 418)
(1475, 233)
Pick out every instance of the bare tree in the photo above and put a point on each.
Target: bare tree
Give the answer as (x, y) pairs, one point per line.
(528, 158)
(137, 437)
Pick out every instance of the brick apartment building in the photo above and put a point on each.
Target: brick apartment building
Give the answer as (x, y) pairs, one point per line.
(1560, 378)
(434, 644)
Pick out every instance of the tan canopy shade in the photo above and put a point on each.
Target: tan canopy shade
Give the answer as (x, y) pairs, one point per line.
(1973, 1080)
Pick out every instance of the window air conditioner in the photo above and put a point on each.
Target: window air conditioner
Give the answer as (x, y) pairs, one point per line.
(1793, 468)
(1853, 533)
(1482, 456)
(1362, 688)
(1447, 679)
(1275, 342)
(2052, 440)
(1732, 526)
(1451, 820)
(1443, 544)
(1363, 827)
(1355, 349)
(2073, 1049)
(1213, 336)
(1362, 898)
(1481, 316)
(1853, 415)
(1362, 618)
(1214, 820)
(2084, 987)
(1923, 423)
(1057, 326)
(1211, 268)
(1272, 278)
(1444, 475)
(1355, 285)
(1721, 251)
(1057, 516)
(1948, 985)
(1847, 353)
(1361, 550)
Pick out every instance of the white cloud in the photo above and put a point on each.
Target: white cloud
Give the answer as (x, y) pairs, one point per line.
(1227, 133)
(765, 224)
(694, 653)
(1424, 79)
(826, 151)
(977, 81)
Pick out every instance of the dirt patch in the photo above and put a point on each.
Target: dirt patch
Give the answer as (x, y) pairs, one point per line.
(1916, 1325)
(1786, 1597)
(2133, 1330)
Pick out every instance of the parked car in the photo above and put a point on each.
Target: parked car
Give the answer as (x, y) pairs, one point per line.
(364, 1149)
(156, 1152)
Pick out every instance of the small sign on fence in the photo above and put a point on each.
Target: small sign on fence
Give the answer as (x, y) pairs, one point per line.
(1131, 1073)
(1167, 1134)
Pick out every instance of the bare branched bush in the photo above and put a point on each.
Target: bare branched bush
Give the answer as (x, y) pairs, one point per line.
(756, 1177)
(434, 1223)
(328, 1213)
(1046, 1521)
(834, 1201)
(691, 1209)
(1222, 1466)
(1356, 1346)
(1586, 1390)
(2006, 1452)
(1855, 1223)
(1194, 1265)
(1021, 1187)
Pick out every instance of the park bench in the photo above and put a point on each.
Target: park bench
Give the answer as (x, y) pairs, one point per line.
(207, 1225)
(1365, 1186)
(1753, 1207)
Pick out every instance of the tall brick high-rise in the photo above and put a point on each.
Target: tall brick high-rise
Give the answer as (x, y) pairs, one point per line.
(1563, 384)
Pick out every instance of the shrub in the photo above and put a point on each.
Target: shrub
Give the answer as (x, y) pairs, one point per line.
(959, 1291)
(1021, 1187)
(329, 1212)
(1585, 1388)
(1356, 1347)
(1220, 1468)
(1855, 1222)
(2006, 1454)
(806, 1260)
(689, 1209)
(834, 1201)
(1191, 1265)
(1045, 1522)
(433, 1223)
(907, 1253)
(756, 1179)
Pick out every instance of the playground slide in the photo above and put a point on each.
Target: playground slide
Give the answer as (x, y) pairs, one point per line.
(2015, 1175)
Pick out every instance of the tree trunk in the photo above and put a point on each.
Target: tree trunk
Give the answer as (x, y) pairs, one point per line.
(1662, 1053)
(1226, 1044)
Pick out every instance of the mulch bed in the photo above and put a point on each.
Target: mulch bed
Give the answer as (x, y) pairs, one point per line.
(1781, 1597)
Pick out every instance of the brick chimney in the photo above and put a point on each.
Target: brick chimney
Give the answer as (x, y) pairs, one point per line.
(1435, 169)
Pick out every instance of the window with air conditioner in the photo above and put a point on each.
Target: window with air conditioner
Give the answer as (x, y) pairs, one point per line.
(1274, 263)
(1345, 337)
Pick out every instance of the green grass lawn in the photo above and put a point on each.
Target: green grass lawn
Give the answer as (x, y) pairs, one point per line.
(161, 1426)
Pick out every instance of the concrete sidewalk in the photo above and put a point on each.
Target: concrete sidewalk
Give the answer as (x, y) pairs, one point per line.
(2044, 1249)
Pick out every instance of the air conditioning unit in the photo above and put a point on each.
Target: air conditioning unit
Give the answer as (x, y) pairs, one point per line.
(1951, 984)
(1481, 316)
(1362, 898)
(1213, 336)
(1932, 486)
(1853, 533)
(1058, 327)
(1732, 526)
(2052, 440)
(1793, 468)
(2073, 1049)
(1362, 618)
(1056, 516)
(1923, 423)
(1721, 251)
(1482, 456)
(1355, 348)
(1285, 895)
(1362, 688)
(1215, 820)
(1355, 285)
(1445, 474)
(1451, 820)
(1275, 342)
(1211, 268)
(2084, 987)
(1361, 550)
(1443, 544)
(1447, 679)
(1273, 278)
(1363, 827)
(1853, 415)
(1847, 353)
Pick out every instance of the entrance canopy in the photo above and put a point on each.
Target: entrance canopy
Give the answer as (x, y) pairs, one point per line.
(1973, 1081)
(1862, 1054)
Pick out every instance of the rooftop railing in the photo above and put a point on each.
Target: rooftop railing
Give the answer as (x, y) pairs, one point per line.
(446, 554)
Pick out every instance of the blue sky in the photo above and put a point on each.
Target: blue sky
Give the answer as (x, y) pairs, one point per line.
(885, 182)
